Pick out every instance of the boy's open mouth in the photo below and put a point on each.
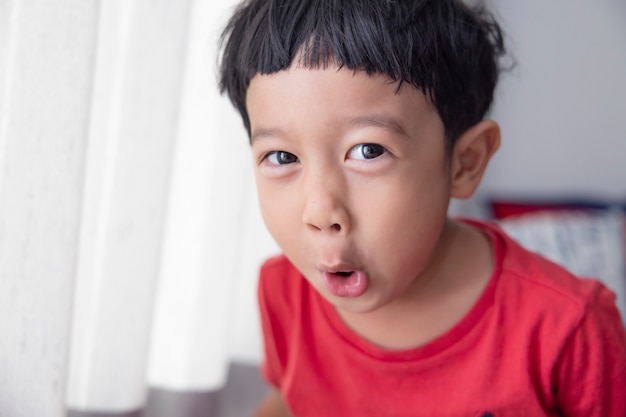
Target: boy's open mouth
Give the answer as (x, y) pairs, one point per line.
(345, 283)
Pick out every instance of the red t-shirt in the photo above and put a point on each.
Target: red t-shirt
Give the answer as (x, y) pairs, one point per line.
(538, 342)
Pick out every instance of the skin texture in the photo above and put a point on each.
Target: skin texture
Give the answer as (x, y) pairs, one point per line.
(353, 175)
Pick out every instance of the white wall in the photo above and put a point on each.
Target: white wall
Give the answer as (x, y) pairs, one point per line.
(563, 109)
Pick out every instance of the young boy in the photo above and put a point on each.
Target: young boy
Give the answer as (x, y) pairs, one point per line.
(365, 117)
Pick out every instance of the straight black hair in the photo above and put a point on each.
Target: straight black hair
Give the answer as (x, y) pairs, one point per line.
(448, 50)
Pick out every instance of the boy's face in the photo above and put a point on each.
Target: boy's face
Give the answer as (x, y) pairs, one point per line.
(353, 181)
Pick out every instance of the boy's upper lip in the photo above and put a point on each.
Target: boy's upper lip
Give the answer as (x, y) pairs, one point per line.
(337, 267)
(335, 255)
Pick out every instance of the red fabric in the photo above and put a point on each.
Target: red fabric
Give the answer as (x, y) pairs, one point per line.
(538, 342)
(501, 209)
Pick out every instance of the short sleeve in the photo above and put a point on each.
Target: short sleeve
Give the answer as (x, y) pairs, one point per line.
(276, 317)
(271, 365)
(591, 372)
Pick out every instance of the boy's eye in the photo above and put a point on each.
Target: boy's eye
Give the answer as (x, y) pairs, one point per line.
(366, 151)
(281, 158)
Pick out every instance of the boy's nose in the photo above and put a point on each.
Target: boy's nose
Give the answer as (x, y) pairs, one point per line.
(324, 206)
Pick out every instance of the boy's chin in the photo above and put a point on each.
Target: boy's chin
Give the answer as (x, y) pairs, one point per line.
(353, 305)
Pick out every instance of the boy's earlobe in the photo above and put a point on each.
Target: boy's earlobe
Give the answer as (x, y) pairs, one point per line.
(470, 157)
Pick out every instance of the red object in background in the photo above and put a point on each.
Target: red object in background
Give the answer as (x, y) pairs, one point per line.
(501, 209)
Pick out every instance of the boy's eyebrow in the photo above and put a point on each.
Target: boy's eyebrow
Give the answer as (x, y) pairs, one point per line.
(265, 132)
(379, 121)
(382, 121)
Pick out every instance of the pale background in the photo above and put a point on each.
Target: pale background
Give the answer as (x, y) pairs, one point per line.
(129, 232)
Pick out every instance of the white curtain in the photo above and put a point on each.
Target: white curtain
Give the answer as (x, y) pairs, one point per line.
(46, 55)
(169, 222)
(139, 61)
(129, 234)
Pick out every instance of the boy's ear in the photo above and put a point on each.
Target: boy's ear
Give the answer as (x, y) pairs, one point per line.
(470, 156)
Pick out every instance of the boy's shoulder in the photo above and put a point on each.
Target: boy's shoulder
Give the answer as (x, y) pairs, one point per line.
(529, 282)
(536, 270)
(276, 264)
(278, 273)
(281, 285)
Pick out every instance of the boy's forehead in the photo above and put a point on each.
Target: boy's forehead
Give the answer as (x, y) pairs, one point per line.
(335, 83)
(298, 73)
(351, 98)
(330, 83)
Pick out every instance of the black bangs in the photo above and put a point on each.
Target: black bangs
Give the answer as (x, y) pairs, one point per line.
(442, 47)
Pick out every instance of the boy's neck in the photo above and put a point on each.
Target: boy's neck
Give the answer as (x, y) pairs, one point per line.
(438, 300)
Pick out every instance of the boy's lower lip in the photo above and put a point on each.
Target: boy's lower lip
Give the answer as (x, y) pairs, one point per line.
(346, 286)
